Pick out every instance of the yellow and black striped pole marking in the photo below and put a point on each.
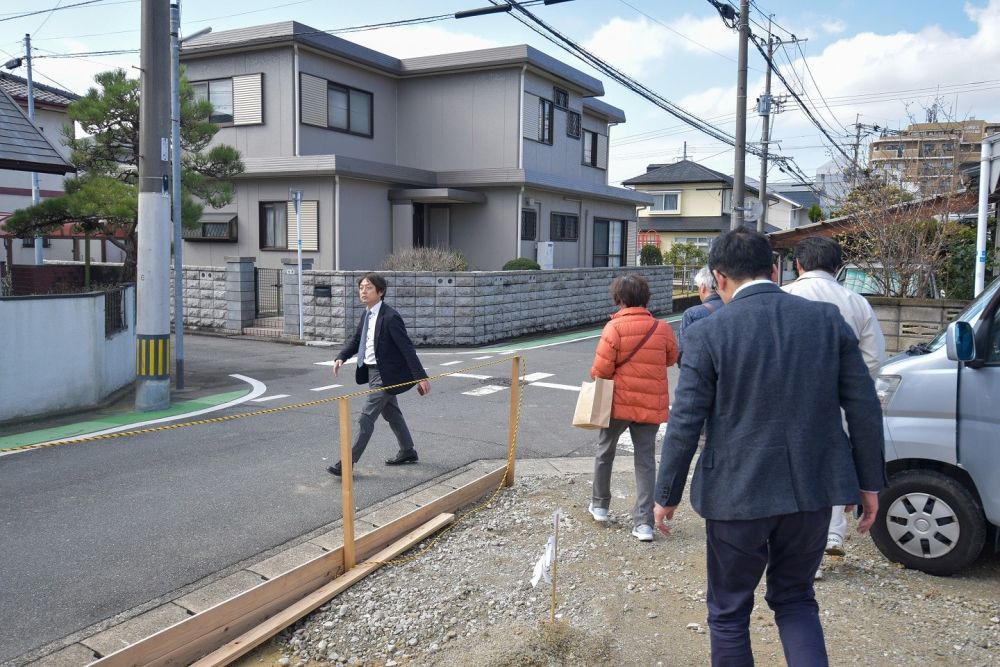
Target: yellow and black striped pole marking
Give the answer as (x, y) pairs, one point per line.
(152, 356)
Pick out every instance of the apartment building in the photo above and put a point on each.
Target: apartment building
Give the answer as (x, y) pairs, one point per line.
(928, 157)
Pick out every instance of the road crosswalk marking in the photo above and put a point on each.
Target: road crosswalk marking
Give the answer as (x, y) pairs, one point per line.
(552, 385)
(451, 363)
(488, 356)
(535, 377)
(471, 376)
(329, 386)
(265, 399)
(485, 390)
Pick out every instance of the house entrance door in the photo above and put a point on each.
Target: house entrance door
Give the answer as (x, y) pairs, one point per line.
(267, 283)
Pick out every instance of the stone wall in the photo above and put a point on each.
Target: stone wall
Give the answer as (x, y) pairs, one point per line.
(906, 322)
(204, 289)
(470, 308)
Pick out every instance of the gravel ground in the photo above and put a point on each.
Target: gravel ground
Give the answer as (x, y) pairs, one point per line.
(469, 601)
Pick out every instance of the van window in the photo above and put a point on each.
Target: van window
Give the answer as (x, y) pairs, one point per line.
(970, 314)
(994, 355)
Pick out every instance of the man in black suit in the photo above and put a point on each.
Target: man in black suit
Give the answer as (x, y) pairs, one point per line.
(385, 358)
(767, 376)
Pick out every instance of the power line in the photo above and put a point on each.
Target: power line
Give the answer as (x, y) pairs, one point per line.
(51, 9)
(676, 32)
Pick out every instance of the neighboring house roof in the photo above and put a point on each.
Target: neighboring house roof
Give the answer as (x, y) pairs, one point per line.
(804, 198)
(715, 224)
(22, 146)
(17, 88)
(294, 32)
(595, 106)
(683, 171)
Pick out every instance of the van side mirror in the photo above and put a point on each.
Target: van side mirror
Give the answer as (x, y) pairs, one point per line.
(960, 341)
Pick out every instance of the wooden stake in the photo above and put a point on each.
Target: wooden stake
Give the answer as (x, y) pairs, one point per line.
(555, 568)
(515, 401)
(347, 483)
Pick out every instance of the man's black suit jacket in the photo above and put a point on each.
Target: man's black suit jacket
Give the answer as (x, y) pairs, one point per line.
(395, 355)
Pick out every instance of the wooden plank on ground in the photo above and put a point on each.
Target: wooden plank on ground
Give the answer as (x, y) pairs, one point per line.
(248, 641)
(184, 642)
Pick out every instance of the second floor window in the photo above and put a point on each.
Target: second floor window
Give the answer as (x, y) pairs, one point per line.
(545, 121)
(30, 242)
(564, 227)
(274, 225)
(573, 124)
(220, 93)
(590, 148)
(349, 110)
(666, 202)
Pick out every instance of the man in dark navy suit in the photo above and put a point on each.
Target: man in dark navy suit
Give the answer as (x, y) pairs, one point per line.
(385, 358)
(767, 377)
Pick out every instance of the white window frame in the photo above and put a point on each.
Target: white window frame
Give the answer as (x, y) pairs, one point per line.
(664, 211)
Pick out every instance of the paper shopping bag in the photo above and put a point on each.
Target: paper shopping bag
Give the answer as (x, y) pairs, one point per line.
(593, 407)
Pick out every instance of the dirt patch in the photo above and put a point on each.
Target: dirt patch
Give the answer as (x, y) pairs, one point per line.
(469, 601)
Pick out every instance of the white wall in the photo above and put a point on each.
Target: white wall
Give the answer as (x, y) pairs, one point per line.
(81, 367)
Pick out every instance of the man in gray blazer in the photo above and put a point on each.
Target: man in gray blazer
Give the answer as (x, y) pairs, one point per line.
(767, 378)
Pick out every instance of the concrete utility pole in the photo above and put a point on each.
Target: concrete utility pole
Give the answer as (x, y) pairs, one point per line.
(739, 169)
(175, 183)
(153, 260)
(35, 192)
(764, 109)
(988, 166)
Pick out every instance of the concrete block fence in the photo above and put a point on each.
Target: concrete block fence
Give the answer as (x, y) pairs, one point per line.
(906, 322)
(469, 308)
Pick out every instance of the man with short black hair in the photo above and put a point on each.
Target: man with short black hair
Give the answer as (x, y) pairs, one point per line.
(767, 378)
(386, 357)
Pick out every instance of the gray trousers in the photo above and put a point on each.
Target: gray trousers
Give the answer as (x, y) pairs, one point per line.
(380, 403)
(644, 454)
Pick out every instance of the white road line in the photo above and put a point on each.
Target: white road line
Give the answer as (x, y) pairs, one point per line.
(265, 399)
(552, 385)
(535, 377)
(483, 391)
(488, 356)
(471, 376)
(451, 363)
(352, 360)
(329, 386)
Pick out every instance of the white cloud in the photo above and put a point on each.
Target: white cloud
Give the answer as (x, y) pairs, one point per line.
(635, 46)
(834, 26)
(415, 41)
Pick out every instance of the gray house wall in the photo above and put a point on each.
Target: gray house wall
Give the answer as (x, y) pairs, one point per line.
(468, 120)
(487, 233)
(276, 136)
(365, 224)
(320, 141)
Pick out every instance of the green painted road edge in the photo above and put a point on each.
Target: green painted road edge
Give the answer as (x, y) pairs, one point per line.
(111, 421)
(561, 338)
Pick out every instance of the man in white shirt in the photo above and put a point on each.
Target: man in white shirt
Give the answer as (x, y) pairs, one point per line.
(817, 260)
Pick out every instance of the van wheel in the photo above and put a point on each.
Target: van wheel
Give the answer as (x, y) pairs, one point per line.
(929, 522)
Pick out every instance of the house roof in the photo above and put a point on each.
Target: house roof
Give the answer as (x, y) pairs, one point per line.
(683, 171)
(17, 88)
(294, 32)
(715, 224)
(804, 198)
(22, 146)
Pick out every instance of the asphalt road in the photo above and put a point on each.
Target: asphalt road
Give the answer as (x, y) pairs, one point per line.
(89, 531)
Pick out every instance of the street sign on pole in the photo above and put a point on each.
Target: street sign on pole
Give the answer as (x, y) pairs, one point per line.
(296, 196)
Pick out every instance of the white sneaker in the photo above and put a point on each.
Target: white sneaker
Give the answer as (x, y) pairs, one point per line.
(834, 545)
(599, 513)
(643, 532)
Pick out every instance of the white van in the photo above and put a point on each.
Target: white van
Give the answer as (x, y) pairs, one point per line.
(941, 406)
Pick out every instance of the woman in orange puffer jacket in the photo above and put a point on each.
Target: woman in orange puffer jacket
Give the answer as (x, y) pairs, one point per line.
(635, 350)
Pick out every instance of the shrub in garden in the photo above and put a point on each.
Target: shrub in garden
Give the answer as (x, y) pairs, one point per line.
(426, 259)
(522, 264)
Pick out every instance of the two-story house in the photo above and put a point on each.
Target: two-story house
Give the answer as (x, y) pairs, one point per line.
(691, 204)
(496, 152)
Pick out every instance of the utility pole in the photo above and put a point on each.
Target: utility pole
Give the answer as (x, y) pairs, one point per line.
(153, 232)
(35, 192)
(764, 109)
(739, 169)
(175, 183)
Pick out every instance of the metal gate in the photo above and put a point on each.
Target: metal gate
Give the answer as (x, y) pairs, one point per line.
(267, 287)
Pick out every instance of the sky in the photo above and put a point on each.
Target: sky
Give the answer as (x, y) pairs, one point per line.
(873, 62)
